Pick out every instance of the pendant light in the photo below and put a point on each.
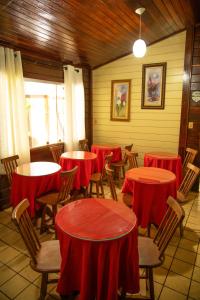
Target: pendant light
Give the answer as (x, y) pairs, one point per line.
(139, 46)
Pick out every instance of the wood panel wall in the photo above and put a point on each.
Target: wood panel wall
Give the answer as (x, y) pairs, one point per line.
(148, 129)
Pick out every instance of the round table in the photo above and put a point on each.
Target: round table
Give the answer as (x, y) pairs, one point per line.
(98, 243)
(85, 162)
(31, 180)
(150, 188)
(102, 150)
(165, 160)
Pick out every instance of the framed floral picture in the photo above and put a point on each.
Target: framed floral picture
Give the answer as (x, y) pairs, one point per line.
(120, 100)
(153, 86)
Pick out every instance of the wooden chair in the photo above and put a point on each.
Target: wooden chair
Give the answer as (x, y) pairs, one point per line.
(97, 178)
(191, 174)
(189, 158)
(121, 197)
(61, 197)
(151, 251)
(10, 163)
(83, 145)
(45, 256)
(119, 166)
(56, 151)
(132, 159)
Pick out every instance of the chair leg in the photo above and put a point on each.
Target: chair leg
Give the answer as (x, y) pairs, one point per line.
(43, 222)
(97, 188)
(151, 285)
(102, 190)
(123, 171)
(91, 183)
(181, 229)
(43, 289)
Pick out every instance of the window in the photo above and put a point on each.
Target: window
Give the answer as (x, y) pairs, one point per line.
(44, 102)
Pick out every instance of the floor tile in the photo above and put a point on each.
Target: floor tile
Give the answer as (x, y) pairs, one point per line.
(170, 250)
(157, 289)
(160, 275)
(19, 262)
(182, 268)
(169, 294)
(196, 274)
(191, 235)
(3, 297)
(32, 292)
(177, 282)
(194, 290)
(8, 254)
(188, 245)
(197, 262)
(185, 255)
(14, 286)
(6, 274)
(167, 262)
(29, 273)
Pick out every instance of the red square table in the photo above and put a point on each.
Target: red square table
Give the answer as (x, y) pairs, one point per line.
(85, 162)
(150, 188)
(102, 150)
(165, 160)
(98, 243)
(32, 180)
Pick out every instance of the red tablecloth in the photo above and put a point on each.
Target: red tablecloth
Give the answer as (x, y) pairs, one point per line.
(164, 160)
(150, 188)
(98, 243)
(101, 151)
(33, 180)
(85, 162)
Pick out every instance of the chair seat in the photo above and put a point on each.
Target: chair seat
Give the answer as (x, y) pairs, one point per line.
(48, 258)
(50, 198)
(95, 177)
(119, 163)
(125, 198)
(148, 253)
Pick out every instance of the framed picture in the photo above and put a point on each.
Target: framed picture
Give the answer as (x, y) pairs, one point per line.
(120, 100)
(153, 86)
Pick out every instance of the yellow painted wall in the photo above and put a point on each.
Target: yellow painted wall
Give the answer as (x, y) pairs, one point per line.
(148, 129)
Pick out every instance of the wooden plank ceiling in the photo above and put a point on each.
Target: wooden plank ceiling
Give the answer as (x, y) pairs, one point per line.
(91, 32)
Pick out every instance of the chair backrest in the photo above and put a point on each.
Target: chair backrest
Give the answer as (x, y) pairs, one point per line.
(83, 145)
(190, 176)
(129, 148)
(22, 220)
(109, 174)
(189, 158)
(56, 152)
(67, 180)
(172, 219)
(107, 160)
(132, 159)
(10, 163)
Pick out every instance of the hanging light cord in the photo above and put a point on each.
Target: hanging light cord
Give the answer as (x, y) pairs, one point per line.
(140, 28)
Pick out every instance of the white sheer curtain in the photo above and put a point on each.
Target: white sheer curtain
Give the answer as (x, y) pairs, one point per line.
(13, 117)
(74, 108)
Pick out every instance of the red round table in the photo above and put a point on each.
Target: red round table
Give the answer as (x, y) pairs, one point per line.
(165, 160)
(102, 150)
(98, 244)
(150, 188)
(85, 162)
(31, 180)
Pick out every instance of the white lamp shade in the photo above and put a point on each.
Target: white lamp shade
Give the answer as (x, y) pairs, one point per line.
(139, 48)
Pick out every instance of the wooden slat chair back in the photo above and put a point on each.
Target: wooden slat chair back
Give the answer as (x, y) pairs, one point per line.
(55, 198)
(45, 256)
(56, 152)
(132, 159)
(168, 226)
(83, 145)
(10, 163)
(189, 158)
(109, 174)
(151, 251)
(97, 178)
(121, 197)
(119, 166)
(190, 176)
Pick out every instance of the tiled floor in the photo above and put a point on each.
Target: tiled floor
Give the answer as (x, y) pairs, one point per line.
(177, 279)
